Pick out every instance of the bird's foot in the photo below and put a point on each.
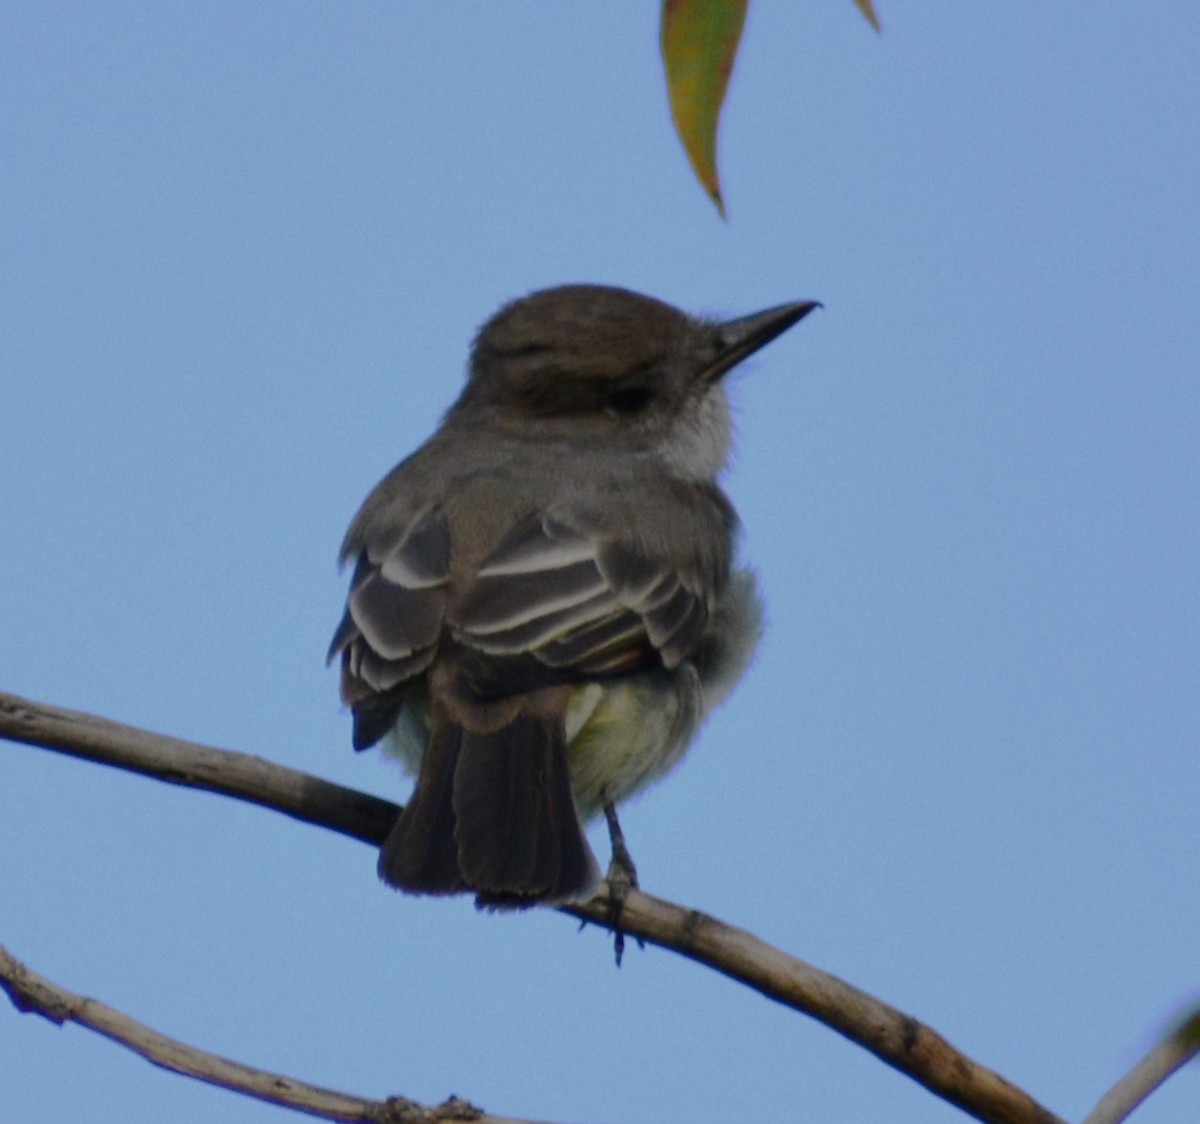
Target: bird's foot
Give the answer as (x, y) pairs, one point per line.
(621, 877)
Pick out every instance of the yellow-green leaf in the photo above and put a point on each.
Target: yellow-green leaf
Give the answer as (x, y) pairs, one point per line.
(868, 10)
(699, 43)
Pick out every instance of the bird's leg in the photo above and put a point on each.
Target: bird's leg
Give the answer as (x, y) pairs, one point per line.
(622, 874)
(622, 877)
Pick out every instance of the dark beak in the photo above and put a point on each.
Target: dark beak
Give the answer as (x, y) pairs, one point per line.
(739, 338)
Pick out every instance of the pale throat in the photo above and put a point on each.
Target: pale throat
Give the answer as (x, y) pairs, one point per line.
(700, 440)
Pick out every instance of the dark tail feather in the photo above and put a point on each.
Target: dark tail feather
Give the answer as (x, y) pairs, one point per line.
(520, 840)
(421, 855)
(493, 812)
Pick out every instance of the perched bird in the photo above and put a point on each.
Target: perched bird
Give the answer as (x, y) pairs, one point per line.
(544, 605)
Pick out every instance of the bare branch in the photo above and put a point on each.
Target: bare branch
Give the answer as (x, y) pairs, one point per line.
(1172, 1053)
(240, 775)
(35, 994)
(891, 1035)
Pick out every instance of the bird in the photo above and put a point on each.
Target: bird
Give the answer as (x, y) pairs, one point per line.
(545, 601)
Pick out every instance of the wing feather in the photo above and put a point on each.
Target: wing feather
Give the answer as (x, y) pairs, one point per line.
(558, 600)
(577, 600)
(393, 620)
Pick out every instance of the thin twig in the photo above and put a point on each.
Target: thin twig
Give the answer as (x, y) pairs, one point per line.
(1172, 1053)
(891, 1035)
(35, 994)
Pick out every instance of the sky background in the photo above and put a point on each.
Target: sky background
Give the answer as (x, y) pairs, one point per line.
(243, 249)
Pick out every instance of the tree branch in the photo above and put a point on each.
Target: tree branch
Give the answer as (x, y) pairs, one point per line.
(35, 994)
(1172, 1053)
(894, 1037)
(240, 775)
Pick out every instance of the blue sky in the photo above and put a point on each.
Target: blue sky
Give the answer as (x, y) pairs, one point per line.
(244, 249)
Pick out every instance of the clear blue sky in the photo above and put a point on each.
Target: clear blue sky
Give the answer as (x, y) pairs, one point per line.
(243, 249)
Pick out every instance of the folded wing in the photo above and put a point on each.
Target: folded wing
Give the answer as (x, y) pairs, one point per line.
(555, 602)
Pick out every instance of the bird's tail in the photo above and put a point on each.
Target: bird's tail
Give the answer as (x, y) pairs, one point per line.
(493, 812)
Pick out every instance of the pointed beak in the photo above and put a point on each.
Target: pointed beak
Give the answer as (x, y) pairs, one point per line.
(736, 339)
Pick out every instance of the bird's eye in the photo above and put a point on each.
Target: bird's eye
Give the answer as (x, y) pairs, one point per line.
(630, 399)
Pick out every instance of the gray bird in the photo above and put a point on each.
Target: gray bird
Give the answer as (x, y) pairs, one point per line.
(544, 605)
